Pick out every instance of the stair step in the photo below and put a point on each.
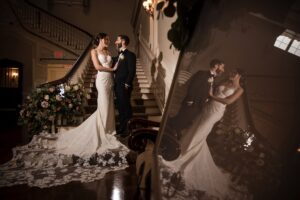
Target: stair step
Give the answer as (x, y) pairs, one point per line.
(147, 110)
(155, 118)
(142, 85)
(142, 90)
(141, 76)
(140, 73)
(144, 102)
(143, 96)
(140, 81)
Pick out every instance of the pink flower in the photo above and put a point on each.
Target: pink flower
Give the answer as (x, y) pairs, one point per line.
(51, 89)
(58, 97)
(45, 104)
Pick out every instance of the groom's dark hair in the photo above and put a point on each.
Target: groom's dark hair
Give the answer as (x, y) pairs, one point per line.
(214, 62)
(125, 38)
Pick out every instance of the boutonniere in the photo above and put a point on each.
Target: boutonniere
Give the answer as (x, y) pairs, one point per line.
(121, 57)
(210, 80)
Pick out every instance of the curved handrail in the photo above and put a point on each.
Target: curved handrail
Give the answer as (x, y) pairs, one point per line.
(60, 19)
(74, 68)
(58, 35)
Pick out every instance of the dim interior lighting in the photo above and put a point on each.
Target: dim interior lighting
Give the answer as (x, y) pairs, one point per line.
(14, 74)
(149, 6)
(298, 150)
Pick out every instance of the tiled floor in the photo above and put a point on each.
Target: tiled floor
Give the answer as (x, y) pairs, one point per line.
(118, 185)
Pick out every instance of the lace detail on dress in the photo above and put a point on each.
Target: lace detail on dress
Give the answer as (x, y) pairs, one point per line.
(34, 165)
(173, 187)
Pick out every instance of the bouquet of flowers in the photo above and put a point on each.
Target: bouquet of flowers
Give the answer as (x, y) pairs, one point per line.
(42, 107)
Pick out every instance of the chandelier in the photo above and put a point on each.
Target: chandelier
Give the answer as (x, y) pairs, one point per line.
(149, 6)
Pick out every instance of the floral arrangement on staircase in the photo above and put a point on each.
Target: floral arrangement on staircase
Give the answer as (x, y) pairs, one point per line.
(49, 105)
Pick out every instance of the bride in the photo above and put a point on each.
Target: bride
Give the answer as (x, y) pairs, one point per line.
(85, 153)
(195, 163)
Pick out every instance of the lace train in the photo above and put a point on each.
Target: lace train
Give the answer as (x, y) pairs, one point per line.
(34, 165)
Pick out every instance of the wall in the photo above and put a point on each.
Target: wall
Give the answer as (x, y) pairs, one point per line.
(158, 59)
(34, 53)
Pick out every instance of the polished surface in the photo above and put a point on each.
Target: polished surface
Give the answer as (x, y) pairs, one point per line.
(117, 185)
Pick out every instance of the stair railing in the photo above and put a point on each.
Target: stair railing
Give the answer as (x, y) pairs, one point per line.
(49, 27)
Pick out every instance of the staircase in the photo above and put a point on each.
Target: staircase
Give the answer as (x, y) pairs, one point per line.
(50, 28)
(142, 99)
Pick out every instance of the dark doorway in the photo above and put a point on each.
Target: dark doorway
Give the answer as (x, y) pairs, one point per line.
(10, 90)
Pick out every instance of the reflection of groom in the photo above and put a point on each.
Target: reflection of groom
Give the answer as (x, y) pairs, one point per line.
(123, 82)
(197, 95)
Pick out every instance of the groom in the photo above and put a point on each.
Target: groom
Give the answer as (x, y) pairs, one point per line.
(124, 76)
(197, 95)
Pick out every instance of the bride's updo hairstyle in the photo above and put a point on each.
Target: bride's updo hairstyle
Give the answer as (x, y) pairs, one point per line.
(98, 38)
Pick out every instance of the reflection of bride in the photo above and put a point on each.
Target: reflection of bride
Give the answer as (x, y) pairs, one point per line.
(85, 153)
(195, 163)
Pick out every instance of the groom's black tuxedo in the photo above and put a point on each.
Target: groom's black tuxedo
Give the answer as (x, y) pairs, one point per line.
(126, 68)
(124, 76)
(197, 95)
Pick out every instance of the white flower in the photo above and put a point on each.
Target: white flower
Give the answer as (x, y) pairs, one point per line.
(45, 104)
(67, 88)
(210, 80)
(76, 87)
(28, 97)
(38, 90)
(46, 97)
(22, 112)
(51, 89)
(121, 56)
(70, 105)
(58, 97)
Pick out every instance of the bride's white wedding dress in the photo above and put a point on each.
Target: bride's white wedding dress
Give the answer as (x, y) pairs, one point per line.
(85, 153)
(195, 163)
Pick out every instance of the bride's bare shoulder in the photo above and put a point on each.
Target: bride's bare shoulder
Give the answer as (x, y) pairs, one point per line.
(93, 51)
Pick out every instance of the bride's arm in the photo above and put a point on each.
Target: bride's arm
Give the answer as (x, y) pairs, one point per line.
(230, 99)
(97, 64)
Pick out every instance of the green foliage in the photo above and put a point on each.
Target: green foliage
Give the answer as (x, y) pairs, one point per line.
(45, 103)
